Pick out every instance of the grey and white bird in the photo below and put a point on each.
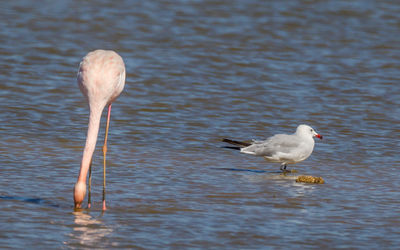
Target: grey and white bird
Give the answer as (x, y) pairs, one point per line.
(282, 148)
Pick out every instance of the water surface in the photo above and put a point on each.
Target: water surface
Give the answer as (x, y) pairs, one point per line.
(199, 71)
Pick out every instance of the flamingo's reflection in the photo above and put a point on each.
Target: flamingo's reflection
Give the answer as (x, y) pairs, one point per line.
(88, 231)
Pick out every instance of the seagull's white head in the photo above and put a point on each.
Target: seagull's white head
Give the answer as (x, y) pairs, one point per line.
(305, 130)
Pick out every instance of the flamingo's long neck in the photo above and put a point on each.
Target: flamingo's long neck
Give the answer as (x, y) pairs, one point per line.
(91, 138)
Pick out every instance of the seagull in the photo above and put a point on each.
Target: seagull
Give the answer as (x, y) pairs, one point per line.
(282, 148)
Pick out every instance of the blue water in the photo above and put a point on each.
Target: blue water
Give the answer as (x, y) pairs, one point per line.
(197, 72)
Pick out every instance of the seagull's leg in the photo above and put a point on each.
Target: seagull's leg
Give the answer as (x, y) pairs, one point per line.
(283, 167)
(104, 157)
(90, 185)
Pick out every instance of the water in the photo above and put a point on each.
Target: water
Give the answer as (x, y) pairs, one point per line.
(199, 71)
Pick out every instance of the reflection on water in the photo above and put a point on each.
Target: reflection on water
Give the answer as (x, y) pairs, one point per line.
(284, 181)
(87, 231)
(197, 72)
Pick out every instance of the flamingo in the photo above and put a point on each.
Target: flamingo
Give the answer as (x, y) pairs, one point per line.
(101, 79)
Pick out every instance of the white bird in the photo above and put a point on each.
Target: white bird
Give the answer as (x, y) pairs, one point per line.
(282, 148)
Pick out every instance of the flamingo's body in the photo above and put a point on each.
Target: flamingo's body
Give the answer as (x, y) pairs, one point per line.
(101, 78)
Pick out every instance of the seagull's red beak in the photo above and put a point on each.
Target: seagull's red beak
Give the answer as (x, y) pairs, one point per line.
(318, 136)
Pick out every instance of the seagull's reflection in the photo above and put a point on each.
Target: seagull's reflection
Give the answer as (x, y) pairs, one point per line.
(287, 181)
(88, 231)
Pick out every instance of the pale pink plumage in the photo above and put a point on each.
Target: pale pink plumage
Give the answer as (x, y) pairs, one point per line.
(101, 78)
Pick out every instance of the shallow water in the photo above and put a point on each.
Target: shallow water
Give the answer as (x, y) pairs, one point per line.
(199, 71)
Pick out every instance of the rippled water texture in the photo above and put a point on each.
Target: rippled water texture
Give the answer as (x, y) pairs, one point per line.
(199, 71)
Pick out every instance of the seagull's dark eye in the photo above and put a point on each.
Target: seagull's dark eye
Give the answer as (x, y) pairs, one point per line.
(311, 130)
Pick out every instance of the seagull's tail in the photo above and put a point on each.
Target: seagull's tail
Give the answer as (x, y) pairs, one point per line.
(238, 144)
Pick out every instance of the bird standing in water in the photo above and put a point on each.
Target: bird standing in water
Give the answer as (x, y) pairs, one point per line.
(101, 78)
(282, 148)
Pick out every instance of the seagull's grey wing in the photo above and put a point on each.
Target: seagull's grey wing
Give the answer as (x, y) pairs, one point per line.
(280, 143)
(284, 143)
